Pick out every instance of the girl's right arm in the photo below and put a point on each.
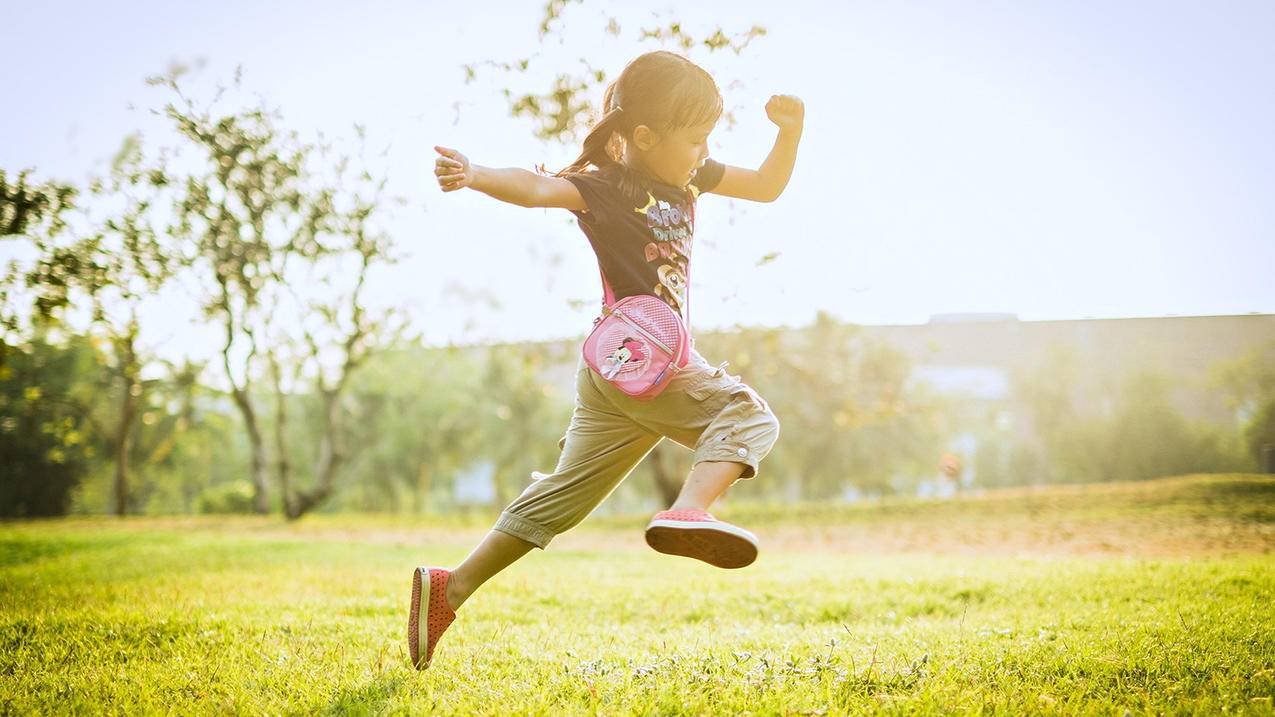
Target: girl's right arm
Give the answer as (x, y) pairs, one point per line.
(509, 184)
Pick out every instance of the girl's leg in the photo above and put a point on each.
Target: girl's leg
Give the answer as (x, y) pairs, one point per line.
(708, 480)
(601, 447)
(496, 552)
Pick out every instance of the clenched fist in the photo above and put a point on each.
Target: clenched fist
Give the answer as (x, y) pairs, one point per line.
(786, 111)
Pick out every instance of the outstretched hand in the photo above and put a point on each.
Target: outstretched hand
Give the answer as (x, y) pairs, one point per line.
(452, 169)
(786, 111)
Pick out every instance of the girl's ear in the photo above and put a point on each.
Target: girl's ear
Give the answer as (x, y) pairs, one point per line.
(644, 137)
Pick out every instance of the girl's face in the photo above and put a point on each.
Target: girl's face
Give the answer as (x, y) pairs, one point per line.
(672, 157)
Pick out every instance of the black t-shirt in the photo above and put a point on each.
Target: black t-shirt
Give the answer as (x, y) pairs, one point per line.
(642, 236)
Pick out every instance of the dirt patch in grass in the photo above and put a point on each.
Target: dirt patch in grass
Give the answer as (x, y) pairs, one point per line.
(1004, 537)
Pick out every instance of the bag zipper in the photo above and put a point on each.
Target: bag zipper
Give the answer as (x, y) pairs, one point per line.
(642, 331)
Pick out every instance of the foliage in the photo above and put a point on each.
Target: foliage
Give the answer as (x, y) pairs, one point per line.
(523, 421)
(27, 207)
(232, 497)
(848, 416)
(564, 111)
(417, 427)
(35, 211)
(186, 441)
(46, 434)
(284, 239)
(1259, 434)
(1248, 382)
(1082, 429)
(123, 259)
(244, 213)
(431, 415)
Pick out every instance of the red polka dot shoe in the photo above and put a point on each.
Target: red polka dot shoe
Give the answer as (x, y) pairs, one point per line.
(697, 534)
(430, 609)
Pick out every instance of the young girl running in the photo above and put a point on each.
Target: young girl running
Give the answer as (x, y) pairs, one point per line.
(649, 154)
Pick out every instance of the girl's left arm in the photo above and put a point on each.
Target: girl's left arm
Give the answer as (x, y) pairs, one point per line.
(767, 182)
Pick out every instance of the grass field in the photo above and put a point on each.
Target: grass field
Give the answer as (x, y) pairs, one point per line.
(1147, 598)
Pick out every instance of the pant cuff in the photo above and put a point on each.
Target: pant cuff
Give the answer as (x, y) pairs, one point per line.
(524, 529)
(750, 464)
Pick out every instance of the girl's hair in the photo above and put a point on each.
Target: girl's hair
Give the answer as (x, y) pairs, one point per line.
(659, 89)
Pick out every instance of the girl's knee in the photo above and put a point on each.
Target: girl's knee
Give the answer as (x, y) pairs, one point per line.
(763, 422)
(770, 432)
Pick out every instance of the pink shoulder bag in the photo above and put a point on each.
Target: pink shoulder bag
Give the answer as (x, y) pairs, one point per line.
(638, 343)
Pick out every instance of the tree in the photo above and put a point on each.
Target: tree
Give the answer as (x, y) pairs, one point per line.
(518, 413)
(46, 430)
(347, 224)
(564, 111)
(267, 217)
(243, 216)
(26, 207)
(124, 259)
(848, 414)
(35, 212)
(1130, 430)
(1248, 382)
(1047, 392)
(46, 433)
(418, 426)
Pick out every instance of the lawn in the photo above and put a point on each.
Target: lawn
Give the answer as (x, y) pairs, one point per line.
(1147, 598)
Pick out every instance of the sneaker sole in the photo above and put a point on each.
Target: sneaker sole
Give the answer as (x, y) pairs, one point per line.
(720, 545)
(419, 615)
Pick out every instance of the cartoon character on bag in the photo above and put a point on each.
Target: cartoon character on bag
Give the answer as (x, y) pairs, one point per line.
(629, 350)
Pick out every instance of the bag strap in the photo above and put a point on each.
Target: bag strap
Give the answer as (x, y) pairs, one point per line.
(690, 203)
(608, 296)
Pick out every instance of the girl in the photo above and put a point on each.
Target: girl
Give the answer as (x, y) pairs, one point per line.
(637, 209)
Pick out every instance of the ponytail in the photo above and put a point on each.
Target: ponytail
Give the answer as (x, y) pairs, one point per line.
(600, 146)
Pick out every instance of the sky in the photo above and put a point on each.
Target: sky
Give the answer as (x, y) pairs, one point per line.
(1050, 160)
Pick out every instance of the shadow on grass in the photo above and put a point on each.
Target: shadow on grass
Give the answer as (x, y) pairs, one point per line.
(365, 699)
(20, 550)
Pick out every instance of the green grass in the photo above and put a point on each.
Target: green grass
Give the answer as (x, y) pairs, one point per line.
(251, 615)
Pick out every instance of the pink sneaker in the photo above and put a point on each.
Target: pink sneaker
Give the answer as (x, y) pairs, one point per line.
(429, 606)
(697, 534)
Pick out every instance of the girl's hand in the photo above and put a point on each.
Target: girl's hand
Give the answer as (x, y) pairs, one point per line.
(452, 169)
(787, 112)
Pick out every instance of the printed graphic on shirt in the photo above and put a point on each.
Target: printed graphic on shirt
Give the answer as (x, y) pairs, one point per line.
(642, 235)
(672, 224)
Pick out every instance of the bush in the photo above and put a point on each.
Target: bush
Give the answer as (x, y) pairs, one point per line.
(232, 497)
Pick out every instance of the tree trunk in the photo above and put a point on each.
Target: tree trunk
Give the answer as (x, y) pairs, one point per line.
(666, 484)
(283, 465)
(123, 441)
(124, 432)
(331, 457)
(260, 503)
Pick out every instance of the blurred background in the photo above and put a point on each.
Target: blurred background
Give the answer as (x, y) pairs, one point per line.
(1021, 246)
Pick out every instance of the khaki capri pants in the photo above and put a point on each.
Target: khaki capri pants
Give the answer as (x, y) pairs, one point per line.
(704, 408)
